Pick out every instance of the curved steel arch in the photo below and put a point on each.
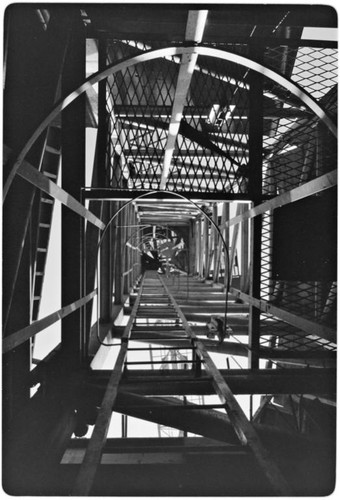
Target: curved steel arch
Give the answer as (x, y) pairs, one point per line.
(168, 52)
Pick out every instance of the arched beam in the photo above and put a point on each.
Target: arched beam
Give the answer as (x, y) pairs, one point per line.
(294, 88)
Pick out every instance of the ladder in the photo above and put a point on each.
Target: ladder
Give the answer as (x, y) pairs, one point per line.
(155, 305)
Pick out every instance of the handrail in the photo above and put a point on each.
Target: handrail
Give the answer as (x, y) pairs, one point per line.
(42, 182)
(314, 186)
(19, 337)
(308, 326)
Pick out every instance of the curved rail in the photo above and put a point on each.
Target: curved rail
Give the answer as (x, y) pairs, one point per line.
(294, 88)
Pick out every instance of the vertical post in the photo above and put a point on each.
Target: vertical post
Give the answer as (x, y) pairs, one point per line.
(255, 191)
(199, 246)
(206, 247)
(215, 239)
(244, 251)
(105, 291)
(225, 233)
(192, 248)
(73, 178)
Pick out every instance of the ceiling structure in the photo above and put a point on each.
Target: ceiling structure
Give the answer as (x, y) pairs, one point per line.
(214, 131)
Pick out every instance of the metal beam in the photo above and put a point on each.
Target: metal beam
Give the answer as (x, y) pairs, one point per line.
(315, 186)
(266, 381)
(194, 32)
(19, 337)
(42, 182)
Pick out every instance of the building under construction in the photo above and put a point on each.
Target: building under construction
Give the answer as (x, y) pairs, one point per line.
(169, 249)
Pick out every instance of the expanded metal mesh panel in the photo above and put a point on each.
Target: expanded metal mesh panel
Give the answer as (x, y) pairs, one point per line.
(277, 334)
(211, 151)
(310, 300)
(139, 107)
(297, 146)
(313, 68)
(216, 140)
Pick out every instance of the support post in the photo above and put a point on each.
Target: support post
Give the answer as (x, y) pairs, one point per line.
(255, 190)
(73, 178)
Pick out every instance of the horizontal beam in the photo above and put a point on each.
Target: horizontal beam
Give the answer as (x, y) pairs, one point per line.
(17, 338)
(315, 186)
(314, 381)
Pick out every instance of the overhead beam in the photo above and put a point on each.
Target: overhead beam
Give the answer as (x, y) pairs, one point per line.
(194, 32)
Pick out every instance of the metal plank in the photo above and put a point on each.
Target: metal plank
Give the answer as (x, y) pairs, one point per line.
(241, 424)
(41, 181)
(87, 472)
(19, 337)
(194, 32)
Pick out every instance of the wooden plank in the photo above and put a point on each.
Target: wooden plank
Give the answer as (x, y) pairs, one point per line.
(19, 337)
(87, 472)
(241, 424)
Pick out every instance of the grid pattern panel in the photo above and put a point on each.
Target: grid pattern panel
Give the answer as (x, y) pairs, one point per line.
(211, 153)
(314, 69)
(139, 107)
(277, 334)
(297, 146)
(216, 133)
(312, 300)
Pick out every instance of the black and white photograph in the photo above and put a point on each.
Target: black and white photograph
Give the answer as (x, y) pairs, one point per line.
(169, 249)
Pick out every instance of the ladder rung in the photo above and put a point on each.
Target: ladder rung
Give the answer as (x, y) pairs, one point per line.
(174, 339)
(51, 149)
(43, 250)
(176, 348)
(47, 200)
(50, 175)
(164, 362)
(42, 224)
(179, 406)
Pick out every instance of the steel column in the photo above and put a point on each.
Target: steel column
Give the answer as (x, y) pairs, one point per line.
(255, 189)
(73, 178)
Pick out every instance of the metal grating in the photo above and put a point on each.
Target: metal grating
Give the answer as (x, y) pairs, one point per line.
(211, 153)
(297, 147)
